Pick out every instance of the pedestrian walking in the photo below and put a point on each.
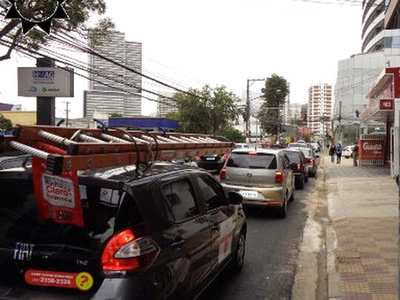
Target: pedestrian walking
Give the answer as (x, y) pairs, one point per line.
(355, 154)
(338, 150)
(332, 153)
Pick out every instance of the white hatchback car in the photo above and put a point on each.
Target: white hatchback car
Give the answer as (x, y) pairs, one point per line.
(348, 151)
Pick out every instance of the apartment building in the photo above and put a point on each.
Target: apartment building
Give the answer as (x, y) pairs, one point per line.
(319, 109)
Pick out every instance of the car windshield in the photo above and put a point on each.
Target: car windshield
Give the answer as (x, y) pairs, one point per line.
(293, 157)
(307, 153)
(252, 161)
(263, 146)
(19, 214)
(239, 146)
(298, 145)
(294, 145)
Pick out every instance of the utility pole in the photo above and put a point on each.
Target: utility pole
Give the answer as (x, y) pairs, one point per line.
(340, 121)
(256, 130)
(45, 106)
(247, 110)
(66, 113)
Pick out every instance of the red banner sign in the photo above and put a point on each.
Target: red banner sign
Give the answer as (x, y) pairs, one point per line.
(372, 149)
(57, 197)
(386, 104)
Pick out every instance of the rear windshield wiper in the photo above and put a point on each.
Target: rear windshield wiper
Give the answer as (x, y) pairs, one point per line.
(256, 167)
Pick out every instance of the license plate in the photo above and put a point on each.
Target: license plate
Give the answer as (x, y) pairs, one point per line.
(248, 194)
(210, 158)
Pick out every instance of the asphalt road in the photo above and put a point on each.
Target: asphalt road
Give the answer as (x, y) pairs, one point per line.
(272, 248)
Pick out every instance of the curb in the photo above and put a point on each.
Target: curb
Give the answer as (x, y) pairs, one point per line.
(333, 276)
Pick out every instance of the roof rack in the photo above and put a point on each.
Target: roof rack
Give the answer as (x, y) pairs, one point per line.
(71, 149)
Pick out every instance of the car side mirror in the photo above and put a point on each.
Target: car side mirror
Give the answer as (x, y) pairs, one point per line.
(235, 198)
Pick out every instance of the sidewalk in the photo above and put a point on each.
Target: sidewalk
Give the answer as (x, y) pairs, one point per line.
(362, 238)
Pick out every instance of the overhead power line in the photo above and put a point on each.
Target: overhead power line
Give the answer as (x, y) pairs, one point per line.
(172, 69)
(35, 54)
(77, 44)
(90, 51)
(339, 2)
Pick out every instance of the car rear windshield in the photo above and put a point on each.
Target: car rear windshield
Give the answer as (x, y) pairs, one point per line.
(252, 161)
(239, 146)
(19, 215)
(293, 157)
(307, 153)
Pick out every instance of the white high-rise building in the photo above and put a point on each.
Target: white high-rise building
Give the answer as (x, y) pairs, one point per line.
(165, 105)
(121, 94)
(319, 109)
(294, 113)
(286, 110)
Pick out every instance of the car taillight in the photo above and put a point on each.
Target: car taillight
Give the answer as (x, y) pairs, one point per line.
(298, 167)
(222, 174)
(278, 177)
(312, 161)
(197, 158)
(125, 252)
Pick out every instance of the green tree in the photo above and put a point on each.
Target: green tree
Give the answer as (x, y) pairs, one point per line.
(208, 110)
(5, 124)
(78, 12)
(274, 93)
(115, 115)
(233, 135)
(173, 115)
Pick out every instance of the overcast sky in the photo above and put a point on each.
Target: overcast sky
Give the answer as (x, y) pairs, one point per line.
(223, 42)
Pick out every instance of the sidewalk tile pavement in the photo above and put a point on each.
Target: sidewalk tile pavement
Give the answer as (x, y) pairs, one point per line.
(363, 209)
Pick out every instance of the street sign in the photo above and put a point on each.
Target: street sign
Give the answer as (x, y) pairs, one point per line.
(45, 82)
(386, 104)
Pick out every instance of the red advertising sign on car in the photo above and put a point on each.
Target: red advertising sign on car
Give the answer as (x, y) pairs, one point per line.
(82, 281)
(372, 149)
(386, 104)
(57, 197)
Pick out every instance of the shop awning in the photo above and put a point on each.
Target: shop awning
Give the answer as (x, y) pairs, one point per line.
(379, 110)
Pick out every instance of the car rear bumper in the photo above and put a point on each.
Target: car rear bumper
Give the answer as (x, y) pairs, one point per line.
(110, 288)
(265, 196)
(311, 169)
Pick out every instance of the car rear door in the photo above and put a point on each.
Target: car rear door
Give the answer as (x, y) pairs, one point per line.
(289, 178)
(221, 218)
(193, 240)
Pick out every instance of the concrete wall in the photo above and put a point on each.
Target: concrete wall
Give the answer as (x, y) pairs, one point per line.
(20, 117)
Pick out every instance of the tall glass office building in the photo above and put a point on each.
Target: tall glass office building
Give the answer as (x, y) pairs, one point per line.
(121, 90)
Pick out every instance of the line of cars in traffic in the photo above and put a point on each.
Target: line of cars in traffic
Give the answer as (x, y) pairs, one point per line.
(164, 235)
(268, 177)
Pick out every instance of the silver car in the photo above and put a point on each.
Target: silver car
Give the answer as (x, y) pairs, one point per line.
(262, 176)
